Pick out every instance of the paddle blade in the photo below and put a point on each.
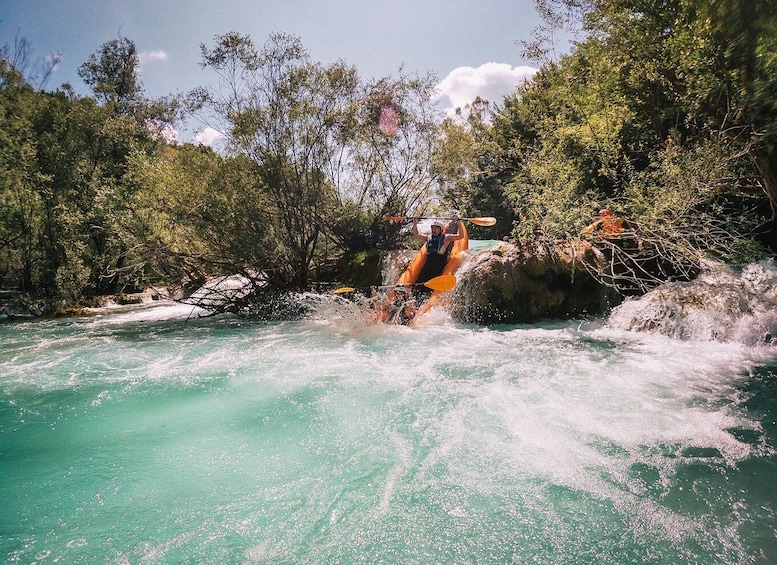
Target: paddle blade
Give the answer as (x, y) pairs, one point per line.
(443, 282)
(395, 218)
(343, 290)
(487, 221)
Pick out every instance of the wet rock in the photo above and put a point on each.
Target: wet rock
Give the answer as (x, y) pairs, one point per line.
(525, 283)
(18, 306)
(723, 304)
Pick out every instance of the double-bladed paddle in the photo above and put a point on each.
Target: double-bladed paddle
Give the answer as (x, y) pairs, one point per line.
(442, 283)
(485, 221)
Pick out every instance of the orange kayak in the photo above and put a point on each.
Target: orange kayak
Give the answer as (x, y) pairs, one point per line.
(412, 272)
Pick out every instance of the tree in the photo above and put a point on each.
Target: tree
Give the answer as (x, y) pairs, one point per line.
(196, 214)
(691, 70)
(390, 170)
(112, 74)
(19, 203)
(63, 183)
(19, 58)
(121, 123)
(474, 166)
(651, 116)
(290, 116)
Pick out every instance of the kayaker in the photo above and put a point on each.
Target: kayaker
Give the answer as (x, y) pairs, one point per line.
(396, 307)
(610, 227)
(438, 247)
(402, 307)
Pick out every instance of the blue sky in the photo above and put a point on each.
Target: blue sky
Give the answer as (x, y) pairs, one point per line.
(470, 45)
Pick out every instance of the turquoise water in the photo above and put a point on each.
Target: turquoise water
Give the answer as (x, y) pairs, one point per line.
(143, 437)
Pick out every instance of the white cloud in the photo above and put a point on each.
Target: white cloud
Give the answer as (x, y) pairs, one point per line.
(152, 57)
(491, 81)
(209, 136)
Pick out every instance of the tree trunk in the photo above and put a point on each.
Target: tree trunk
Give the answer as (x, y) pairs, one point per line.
(764, 161)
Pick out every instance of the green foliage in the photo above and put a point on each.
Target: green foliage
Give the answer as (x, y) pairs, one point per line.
(284, 112)
(19, 207)
(689, 198)
(393, 173)
(568, 153)
(474, 164)
(313, 133)
(62, 231)
(95, 202)
(664, 112)
(693, 70)
(198, 214)
(112, 74)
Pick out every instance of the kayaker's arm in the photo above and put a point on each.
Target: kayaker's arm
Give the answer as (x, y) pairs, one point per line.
(417, 235)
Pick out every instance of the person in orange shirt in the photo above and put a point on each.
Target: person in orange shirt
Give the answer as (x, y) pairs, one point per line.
(610, 227)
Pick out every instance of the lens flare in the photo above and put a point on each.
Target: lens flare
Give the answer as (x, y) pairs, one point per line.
(388, 123)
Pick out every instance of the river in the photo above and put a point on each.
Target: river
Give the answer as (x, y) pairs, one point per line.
(149, 435)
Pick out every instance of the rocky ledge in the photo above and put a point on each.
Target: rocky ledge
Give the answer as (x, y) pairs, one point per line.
(528, 282)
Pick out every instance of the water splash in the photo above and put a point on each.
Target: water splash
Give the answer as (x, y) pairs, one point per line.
(723, 304)
(327, 440)
(221, 290)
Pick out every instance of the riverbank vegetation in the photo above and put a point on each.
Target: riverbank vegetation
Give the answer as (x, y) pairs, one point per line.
(664, 112)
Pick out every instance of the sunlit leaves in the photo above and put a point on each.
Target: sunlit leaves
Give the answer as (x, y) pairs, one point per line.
(286, 113)
(113, 72)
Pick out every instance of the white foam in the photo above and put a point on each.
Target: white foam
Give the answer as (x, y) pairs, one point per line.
(722, 305)
(326, 429)
(147, 312)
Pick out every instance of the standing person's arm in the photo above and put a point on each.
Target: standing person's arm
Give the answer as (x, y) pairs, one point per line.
(592, 227)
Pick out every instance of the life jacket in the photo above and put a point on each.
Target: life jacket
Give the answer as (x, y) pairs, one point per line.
(435, 245)
(611, 226)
